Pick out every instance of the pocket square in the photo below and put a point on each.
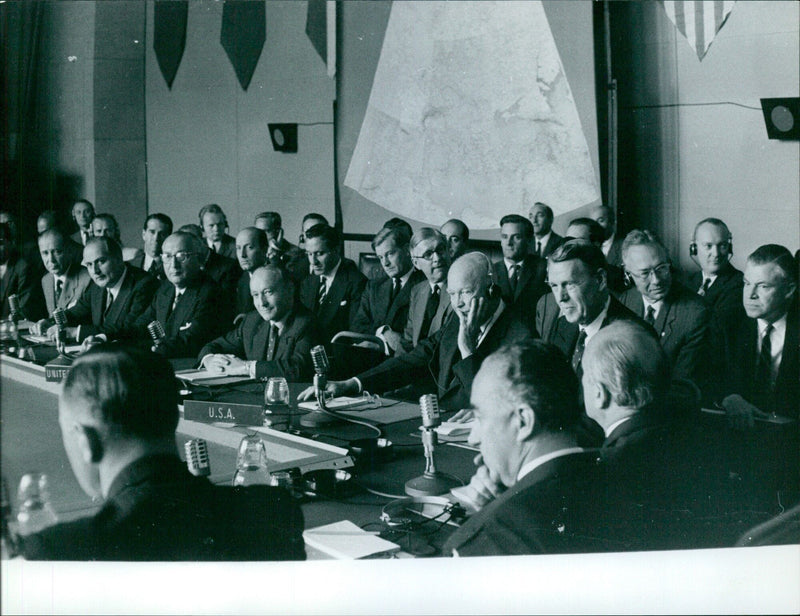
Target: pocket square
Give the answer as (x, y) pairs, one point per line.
(343, 302)
(185, 326)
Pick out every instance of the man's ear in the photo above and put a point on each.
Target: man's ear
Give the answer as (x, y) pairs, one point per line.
(526, 422)
(90, 443)
(602, 395)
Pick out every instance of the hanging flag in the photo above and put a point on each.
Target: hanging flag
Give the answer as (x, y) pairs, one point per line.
(169, 35)
(699, 22)
(321, 31)
(244, 31)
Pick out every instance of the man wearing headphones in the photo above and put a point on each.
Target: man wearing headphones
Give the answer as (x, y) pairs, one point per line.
(681, 319)
(718, 282)
(215, 230)
(478, 326)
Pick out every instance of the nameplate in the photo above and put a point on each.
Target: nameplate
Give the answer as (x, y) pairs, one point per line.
(56, 370)
(211, 412)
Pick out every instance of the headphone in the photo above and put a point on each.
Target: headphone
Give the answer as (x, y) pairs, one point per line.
(493, 292)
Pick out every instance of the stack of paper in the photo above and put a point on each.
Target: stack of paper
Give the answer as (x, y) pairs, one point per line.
(346, 541)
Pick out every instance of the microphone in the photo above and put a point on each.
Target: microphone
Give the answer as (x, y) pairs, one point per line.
(60, 317)
(314, 419)
(13, 307)
(431, 482)
(197, 457)
(156, 331)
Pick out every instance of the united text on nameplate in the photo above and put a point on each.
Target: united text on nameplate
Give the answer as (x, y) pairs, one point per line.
(210, 412)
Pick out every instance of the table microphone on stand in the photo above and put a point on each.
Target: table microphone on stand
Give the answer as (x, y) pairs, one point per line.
(157, 333)
(196, 451)
(60, 317)
(14, 313)
(431, 482)
(323, 416)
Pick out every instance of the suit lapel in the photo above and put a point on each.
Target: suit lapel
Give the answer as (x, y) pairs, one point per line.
(259, 342)
(448, 350)
(501, 275)
(334, 295)
(419, 311)
(97, 305)
(444, 310)
(184, 308)
(790, 359)
(382, 297)
(565, 336)
(118, 307)
(525, 275)
(48, 286)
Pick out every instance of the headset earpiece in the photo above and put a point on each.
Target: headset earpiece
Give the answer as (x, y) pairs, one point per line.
(693, 249)
(626, 278)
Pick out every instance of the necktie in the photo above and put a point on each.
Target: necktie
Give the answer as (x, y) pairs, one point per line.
(539, 247)
(430, 312)
(59, 287)
(650, 316)
(764, 365)
(175, 303)
(214, 247)
(704, 288)
(395, 290)
(109, 302)
(577, 354)
(273, 341)
(84, 237)
(154, 268)
(513, 277)
(323, 287)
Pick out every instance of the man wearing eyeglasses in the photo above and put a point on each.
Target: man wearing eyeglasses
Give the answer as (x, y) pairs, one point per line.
(679, 316)
(117, 295)
(187, 304)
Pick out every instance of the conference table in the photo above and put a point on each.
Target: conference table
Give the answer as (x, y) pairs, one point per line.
(30, 440)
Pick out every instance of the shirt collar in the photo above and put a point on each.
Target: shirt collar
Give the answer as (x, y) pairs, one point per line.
(441, 285)
(485, 328)
(509, 262)
(404, 278)
(607, 244)
(616, 425)
(329, 277)
(544, 239)
(778, 326)
(656, 305)
(537, 462)
(115, 289)
(592, 328)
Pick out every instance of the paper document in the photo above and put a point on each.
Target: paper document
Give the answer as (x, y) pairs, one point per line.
(204, 377)
(346, 541)
(771, 418)
(341, 403)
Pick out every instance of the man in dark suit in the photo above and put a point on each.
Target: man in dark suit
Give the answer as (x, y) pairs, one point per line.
(18, 277)
(580, 303)
(520, 275)
(612, 245)
(48, 220)
(82, 214)
(718, 282)
(383, 310)
(122, 450)
(545, 240)
(187, 303)
(333, 291)
(157, 227)
(117, 296)
(275, 339)
(478, 325)
(251, 253)
(64, 281)
(215, 231)
(224, 271)
(281, 251)
(681, 319)
(106, 224)
(428, 303)
(527, 425)
(457, 235)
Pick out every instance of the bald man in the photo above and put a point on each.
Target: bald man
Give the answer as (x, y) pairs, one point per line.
(251, 253)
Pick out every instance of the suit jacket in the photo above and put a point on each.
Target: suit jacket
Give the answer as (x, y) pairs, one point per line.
(438, 356)
(78, 238)
(194, 322)
(138, 262)
(683, 327)
(226, 273)
(250, 341)
(21, 279)
(555, 329)
(553, 242)
(724, 297)
(227, 247)
(75, 283)
(157, 511)
(133, 298)
(737, 355)
(375, 309)
(417, 301)
(244, 301)
(293, 258)
(614, 256)
(341, 302)
(530, 286)
(550, 510)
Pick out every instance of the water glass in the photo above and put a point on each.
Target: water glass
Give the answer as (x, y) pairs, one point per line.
(276, 393)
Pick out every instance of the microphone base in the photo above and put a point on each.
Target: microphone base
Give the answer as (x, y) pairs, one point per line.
(430, 484)
(317, 419)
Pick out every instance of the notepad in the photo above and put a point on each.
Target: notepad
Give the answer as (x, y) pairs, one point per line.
(346, 541)
(204, 377)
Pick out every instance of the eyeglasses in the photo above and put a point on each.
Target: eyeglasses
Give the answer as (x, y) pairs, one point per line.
(659, 270)
(439, 251)
(181, 256)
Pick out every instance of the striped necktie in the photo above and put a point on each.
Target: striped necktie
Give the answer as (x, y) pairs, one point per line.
(650, 316)
(59, 288)
(704, 288)
(577, 354)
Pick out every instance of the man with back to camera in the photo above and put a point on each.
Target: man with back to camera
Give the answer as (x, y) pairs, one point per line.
(82, 214)
(545, 240)
(281, 251)
(187, 303)
(528, 425)
(457, 235)
(718, 282)
(428, 304)
(157, 227)
(383, 309)
(275, 339)
(121, 446)
(117, 295)
(612, 245)
(251, 253)
(64, 281)
(520, 275)
(106, 224)
(679, 316)
(478, 325)
(333, 290)
(214, 224)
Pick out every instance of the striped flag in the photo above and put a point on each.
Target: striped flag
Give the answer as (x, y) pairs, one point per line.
(698, 20)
